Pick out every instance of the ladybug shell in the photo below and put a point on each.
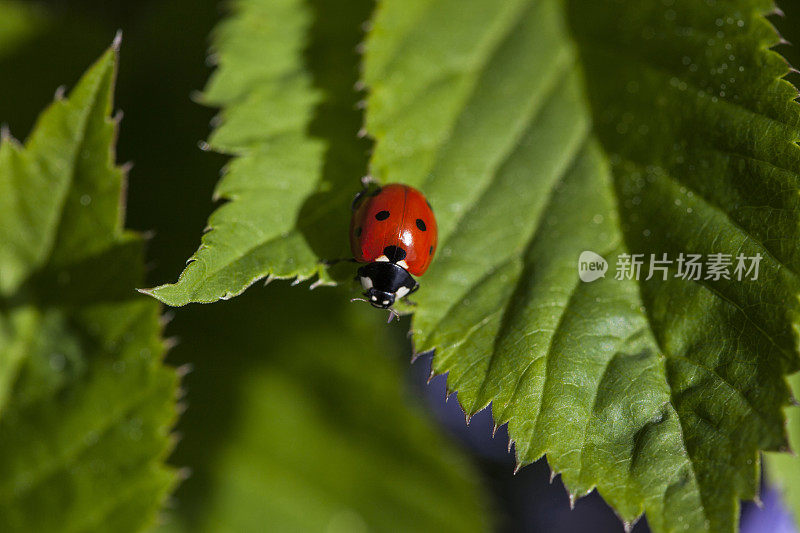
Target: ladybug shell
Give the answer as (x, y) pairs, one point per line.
(394, 223)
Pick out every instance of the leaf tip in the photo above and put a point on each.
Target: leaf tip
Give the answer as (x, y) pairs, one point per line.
(184, 473)
(431, 376)
(321, 282)
(180, 395)
(416, 354)
(447, 394)
(171, 342)
(165, 318)
(117, 42)
(196, 97)
(757, 500)
(184, 369)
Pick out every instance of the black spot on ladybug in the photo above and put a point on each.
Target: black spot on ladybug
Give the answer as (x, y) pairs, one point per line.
(421, 224)
(358, 232)
(382, 215)
(430, 250)
(394, 253)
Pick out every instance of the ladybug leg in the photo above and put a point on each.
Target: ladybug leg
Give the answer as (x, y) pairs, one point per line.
(359, 195)
(392, 315)
(331, 262)
(412, 291)
(369, 185)
(410, 302)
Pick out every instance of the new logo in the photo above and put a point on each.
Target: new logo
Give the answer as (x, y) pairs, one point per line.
(591, 266)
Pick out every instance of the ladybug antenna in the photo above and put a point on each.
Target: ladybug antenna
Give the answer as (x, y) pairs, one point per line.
(392, 314)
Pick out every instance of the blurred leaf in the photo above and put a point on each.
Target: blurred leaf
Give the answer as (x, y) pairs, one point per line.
(540, 130)
(298, 422)
(85, 402)
(783, 469)
(289, 119)
(18, 23)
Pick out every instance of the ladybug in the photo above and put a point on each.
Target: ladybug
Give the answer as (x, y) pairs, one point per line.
(393, 231)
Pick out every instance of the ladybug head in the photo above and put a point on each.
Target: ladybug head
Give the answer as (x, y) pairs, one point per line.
(385, 282)
(379, 299)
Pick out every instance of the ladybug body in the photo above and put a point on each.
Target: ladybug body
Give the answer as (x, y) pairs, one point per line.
(393, 231)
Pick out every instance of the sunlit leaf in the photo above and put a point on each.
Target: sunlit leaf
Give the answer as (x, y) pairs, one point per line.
(540, 130)
(285, 85)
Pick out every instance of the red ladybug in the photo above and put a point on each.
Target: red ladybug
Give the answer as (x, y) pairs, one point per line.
(393, 230)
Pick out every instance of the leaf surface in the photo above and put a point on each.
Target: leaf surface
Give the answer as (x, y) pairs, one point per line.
(540, 130)
(86, 405)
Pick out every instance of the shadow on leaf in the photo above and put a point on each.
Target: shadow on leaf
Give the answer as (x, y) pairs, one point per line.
(332, 59)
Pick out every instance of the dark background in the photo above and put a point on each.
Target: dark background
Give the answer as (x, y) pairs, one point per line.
(169, 194)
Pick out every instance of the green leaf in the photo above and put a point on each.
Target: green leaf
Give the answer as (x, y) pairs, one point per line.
(289, 119)
(288, 435)
(783, 469)
(539, 130)
(86, 405)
